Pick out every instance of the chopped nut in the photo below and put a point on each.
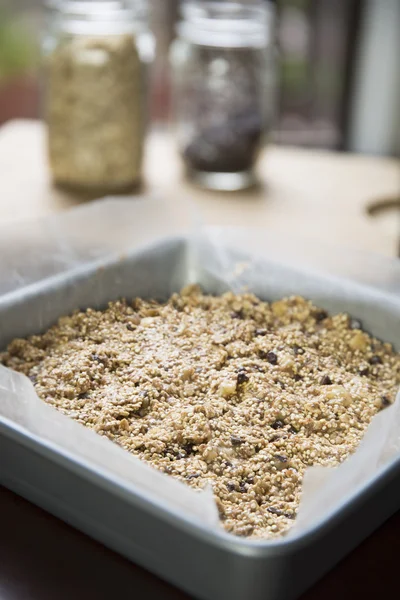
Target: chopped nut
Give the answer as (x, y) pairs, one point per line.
(210, 454)
(358, 341)
(147, 322)
(227, 388)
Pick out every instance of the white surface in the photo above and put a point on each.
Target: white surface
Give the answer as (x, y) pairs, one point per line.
(376, 107)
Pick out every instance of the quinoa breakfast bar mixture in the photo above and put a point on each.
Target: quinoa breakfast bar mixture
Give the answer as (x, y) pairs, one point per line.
(230, 391)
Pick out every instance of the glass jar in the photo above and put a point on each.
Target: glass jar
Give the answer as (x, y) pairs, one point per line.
(95, 57)
(223, 79)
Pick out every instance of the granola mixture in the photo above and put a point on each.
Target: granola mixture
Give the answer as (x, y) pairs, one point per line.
(227, 390)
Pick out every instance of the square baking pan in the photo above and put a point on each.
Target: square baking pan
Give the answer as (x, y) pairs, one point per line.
(208, 563)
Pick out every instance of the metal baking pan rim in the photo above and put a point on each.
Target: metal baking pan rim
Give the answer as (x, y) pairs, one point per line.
(216, 537)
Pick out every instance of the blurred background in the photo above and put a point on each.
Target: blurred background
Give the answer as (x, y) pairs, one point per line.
(338, 70)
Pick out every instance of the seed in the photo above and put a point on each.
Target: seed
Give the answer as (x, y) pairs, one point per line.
(385, 401)
(297, 377)
(375, 360)
(278, 424)
(326, 380)
(193, 476)
(231, 486)
(130, 327)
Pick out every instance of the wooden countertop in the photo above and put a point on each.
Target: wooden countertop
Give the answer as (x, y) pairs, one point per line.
(325, 196)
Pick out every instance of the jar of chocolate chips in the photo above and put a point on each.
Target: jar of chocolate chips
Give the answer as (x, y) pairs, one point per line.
(223, 90)
(95, 56)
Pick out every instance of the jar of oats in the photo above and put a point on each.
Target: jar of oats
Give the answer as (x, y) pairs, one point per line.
(96, 55)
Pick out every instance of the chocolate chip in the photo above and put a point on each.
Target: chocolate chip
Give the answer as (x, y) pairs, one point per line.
(250, 480)
(385, 401)
(97, 358)
(83, 396)
(297, 377)
(280, 513)
(326, 380)
(242, 377)
(364, 371)
(355, 324)
(375, 360)
(188, 448)
(275, 511)
(236, 441)
(281, 458)
(238, 314)
(320, 315)
(231, 487)
(270, 356)
(261, 332)
(289, 515)
(278, 424)
(298, 349)
(242, 487)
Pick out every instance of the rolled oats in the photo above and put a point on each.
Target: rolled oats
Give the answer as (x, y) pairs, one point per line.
(95, 112)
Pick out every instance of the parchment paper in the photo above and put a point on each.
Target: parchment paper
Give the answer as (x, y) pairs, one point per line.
(157, 249)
